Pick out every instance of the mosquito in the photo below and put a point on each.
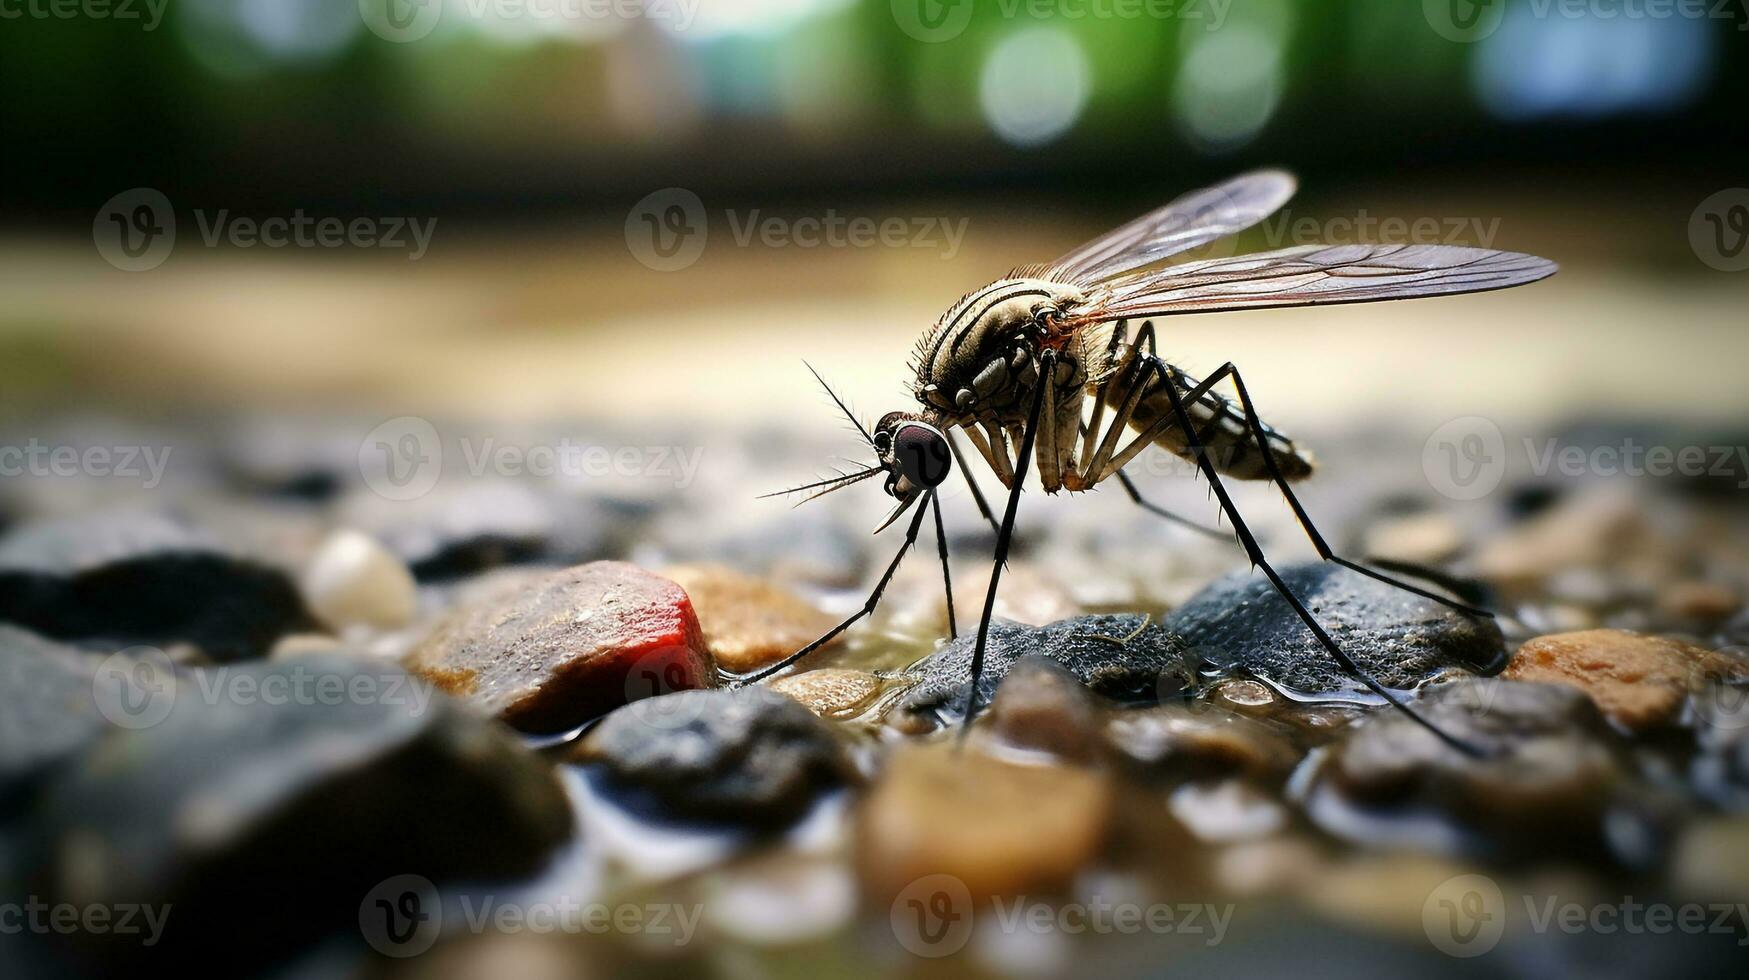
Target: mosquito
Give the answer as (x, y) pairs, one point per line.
(1040, 365)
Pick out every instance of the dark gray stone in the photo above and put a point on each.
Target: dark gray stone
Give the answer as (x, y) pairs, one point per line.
(272, 798)
(47, 710)
(1240, 625)
(1141, 669)
(748, 757)
(143, 577)
(1550, 772)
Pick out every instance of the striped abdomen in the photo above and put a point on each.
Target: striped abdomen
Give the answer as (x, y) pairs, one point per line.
(1220, 422)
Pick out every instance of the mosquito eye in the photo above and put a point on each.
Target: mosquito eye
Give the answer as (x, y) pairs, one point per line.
(883, 441)
(922, 455)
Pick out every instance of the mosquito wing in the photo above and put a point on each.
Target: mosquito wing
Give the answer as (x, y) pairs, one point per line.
(1190, 221)
(1310, 275)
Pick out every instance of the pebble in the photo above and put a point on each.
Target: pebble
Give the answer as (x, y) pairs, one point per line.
(1222, 813)
(569, 648)
(1424, 539)
(1582, 530)
(1177, 742)
(832, 692)
(1711, 860)
(304, 784)
(47, 710)
(463, 527)
(1639, 682)
(748, 622)
(1041, 707)
(1551, 773)
(1708, 602)
(747, 757)
(1098, 650)
(354, 581)
(999, 827)
(1239, 625)
(133, 577)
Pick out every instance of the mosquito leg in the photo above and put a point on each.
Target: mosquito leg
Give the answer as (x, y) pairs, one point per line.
(1005, 536)
(1258, 559)
(1129, 487)
(1260, 435)
(953, 630)
(959, 460)
(868, 607)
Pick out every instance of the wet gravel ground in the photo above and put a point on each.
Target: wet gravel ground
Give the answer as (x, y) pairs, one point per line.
(399, 699)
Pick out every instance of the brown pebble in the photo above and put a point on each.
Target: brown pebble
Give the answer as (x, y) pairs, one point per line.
(1425, 539)
(748, 622)
(831, 692)
(1705, 601)
(1200, 742)
(568, 647)
(1041, 707)
(1638, 681)
(1001, 828)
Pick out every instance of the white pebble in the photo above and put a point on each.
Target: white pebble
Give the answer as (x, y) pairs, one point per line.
(354, 581)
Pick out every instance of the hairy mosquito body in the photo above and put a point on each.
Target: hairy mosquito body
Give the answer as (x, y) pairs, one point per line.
(979, 365)
(1040, 366)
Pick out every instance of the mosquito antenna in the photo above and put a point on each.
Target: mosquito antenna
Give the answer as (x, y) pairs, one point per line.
(860, 428)
(830, 484)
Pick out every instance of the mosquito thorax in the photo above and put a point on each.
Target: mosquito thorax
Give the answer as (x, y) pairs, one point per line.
(982, 357)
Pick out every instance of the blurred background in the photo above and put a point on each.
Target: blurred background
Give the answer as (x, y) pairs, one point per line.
(296, 250)
(537, 143)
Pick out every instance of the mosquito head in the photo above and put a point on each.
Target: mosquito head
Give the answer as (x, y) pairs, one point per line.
(914, 454)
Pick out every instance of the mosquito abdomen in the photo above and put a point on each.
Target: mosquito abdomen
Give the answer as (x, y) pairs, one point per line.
(1220, 424)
